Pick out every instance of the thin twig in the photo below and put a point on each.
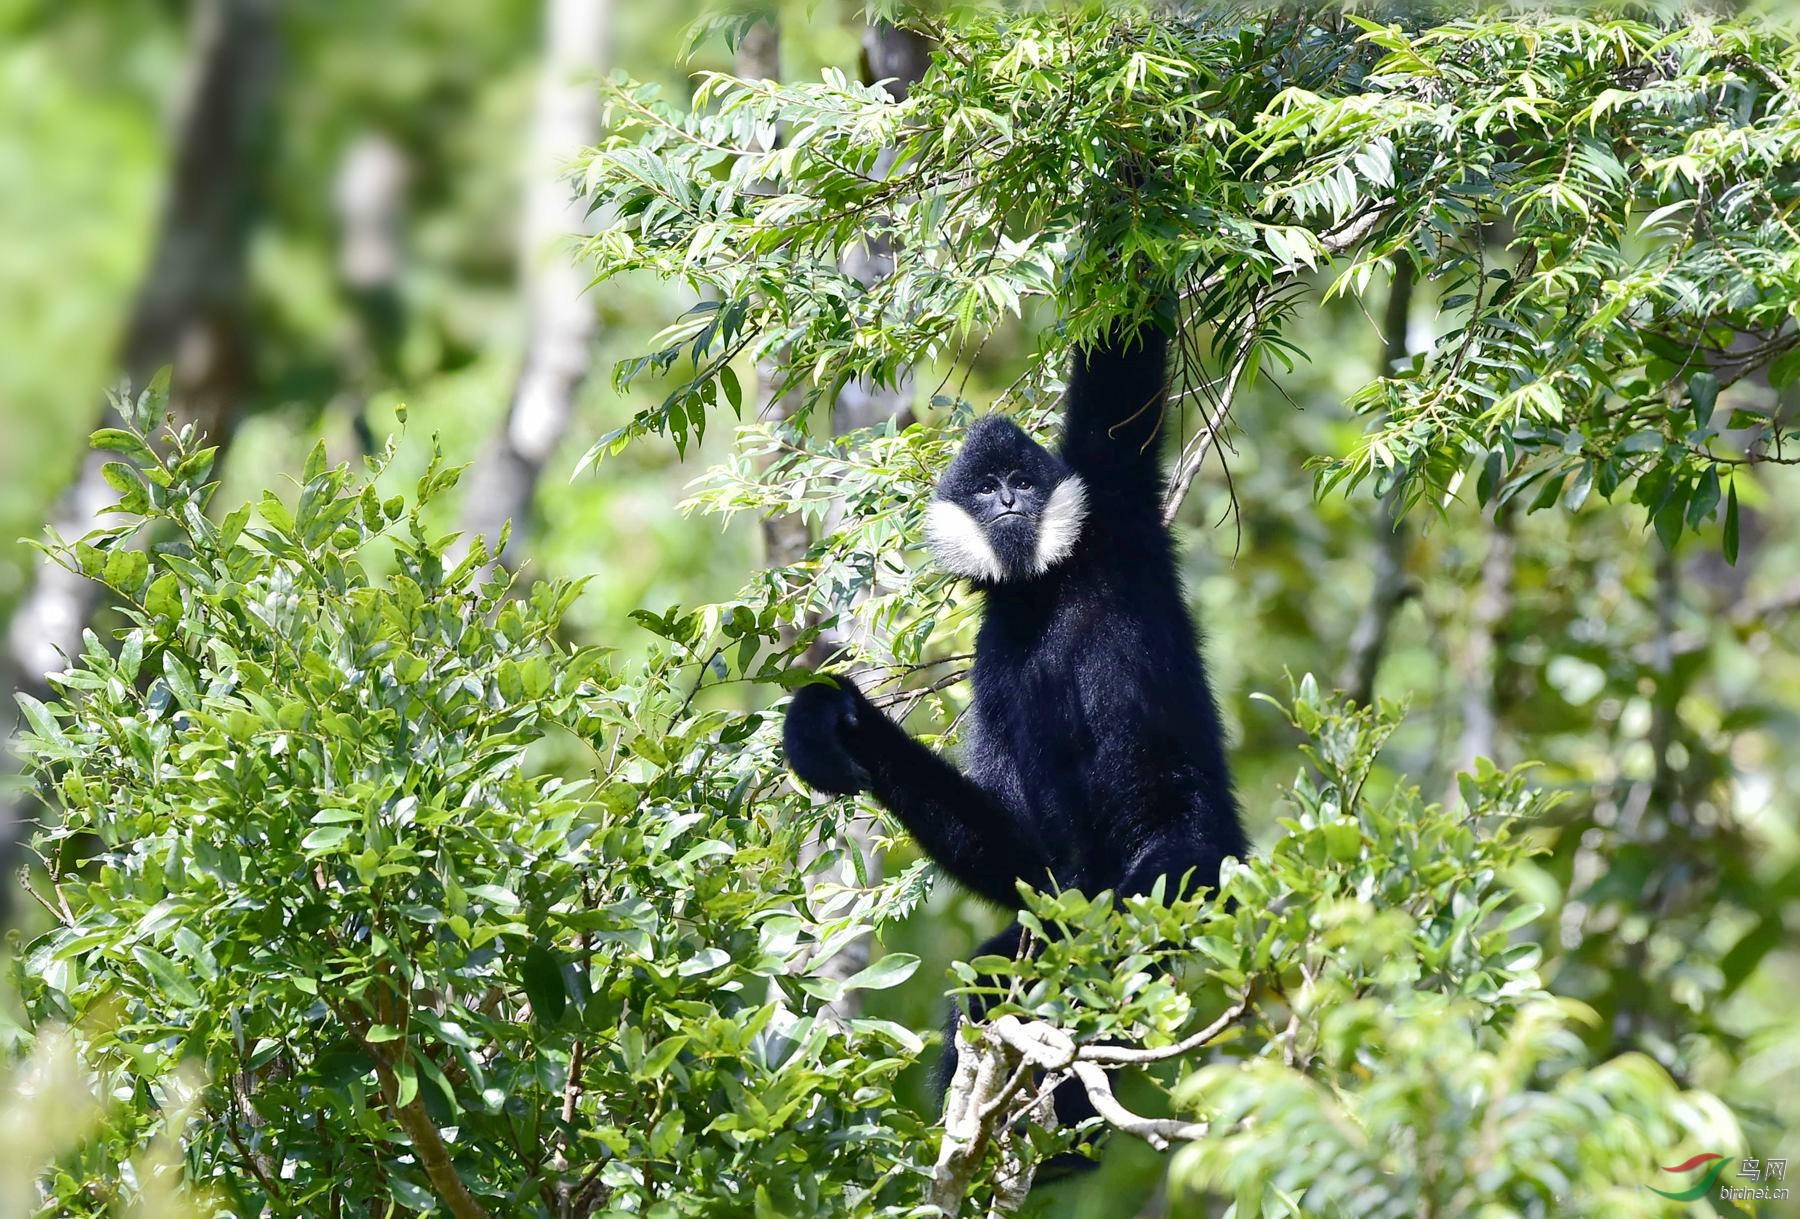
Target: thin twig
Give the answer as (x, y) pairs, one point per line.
(62, 918)
(1194, 456)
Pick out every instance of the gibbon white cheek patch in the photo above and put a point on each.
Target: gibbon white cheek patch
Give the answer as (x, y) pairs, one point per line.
(1060, 527)
(962, 548)
(960, 543)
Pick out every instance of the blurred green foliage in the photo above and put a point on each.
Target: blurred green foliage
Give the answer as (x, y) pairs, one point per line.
(1656, 685)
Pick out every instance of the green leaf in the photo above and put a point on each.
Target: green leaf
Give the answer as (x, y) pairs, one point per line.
(126, 570)
(38, 716)
(326, 837)
(499, 895)
(315, 463)
(704, 962)
(1670, 513)
(121, 478)
(1703, 392)
(1343, 839)
(164, 597)
(890, 971)
(167, 977)
(662, 1057)
(1731, 523)
(541, 974)
(1578, 489)
(406, 1076)
(1488, 484)
(1786, 370)
(117, 440)
(1705, 498)
(734, 392)
(181, 681)
(410, 1194)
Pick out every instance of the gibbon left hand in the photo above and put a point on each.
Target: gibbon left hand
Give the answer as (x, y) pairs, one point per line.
(820, 737)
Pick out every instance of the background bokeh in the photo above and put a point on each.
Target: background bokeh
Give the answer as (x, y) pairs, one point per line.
(1673, 916)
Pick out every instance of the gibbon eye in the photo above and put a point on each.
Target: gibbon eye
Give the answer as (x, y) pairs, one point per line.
(988, 486)
(1022, 483)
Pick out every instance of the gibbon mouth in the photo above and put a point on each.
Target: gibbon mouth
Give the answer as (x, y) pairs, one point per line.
(1009, 512)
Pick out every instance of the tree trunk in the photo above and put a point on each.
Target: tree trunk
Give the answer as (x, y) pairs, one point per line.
(369, 198)
(898, 57)
(1391, 588)
(1478, 667)
(895, 57)
(191, 308)
(560, 321)
(785, 538)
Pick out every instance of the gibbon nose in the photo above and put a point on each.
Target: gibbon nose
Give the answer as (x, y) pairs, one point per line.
(1007, 498)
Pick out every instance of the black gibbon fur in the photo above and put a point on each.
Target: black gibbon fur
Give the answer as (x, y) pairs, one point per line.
(1097, 760)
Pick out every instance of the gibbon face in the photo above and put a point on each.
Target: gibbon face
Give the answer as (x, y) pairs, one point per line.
(1006, 509)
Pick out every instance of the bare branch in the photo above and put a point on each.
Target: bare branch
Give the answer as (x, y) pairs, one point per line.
(1159, 1132)
(982, 1071)
(1479, 663)
(1355, 232)
(1127, 1056)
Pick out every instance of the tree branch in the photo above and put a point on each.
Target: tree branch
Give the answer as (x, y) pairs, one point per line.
(1194, 456)
(1127, 1056)
(427, 1143)
(982, 1106)
(1156, 1131)
(1187, 467)
(1478, 666)
(981, 1074)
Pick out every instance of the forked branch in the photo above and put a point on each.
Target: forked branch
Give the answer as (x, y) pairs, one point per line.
(1010, 1071)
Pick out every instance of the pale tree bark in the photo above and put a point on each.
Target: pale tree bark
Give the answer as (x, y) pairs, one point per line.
(785, 536)
(1391, 588)
(560, 318)
(895, 57)
(1478, 665)
(759, 54)
(785, 541)
(190, 311)
(899, 58)
(369, 198)
(1005, 1079)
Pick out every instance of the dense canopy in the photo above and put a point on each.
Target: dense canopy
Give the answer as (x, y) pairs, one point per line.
(379, 868)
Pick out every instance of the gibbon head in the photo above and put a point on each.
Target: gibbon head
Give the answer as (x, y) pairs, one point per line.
(1006, 509)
